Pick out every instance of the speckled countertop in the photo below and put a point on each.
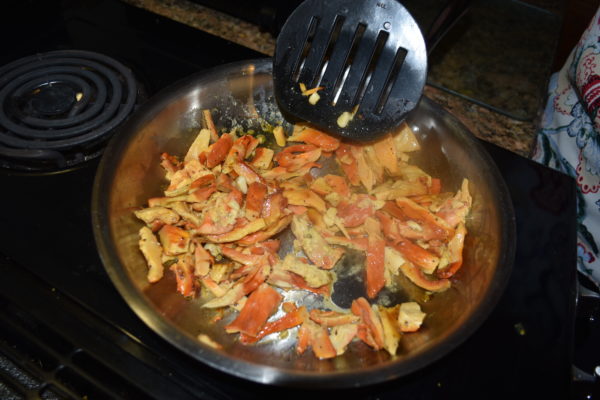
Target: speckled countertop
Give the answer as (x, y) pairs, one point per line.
(513, 134)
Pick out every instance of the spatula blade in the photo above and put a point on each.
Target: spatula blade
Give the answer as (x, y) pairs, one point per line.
(369, 56)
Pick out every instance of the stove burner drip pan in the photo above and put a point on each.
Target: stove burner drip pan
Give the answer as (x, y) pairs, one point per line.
(57, 109)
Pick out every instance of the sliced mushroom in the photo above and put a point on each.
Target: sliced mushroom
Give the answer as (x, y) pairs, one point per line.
(391, 334)
(182, 208)
(152, 251)
(314, 276)
(313, 244)
(341, 336)
(410, 316)
(199, 145)
(151, 215)
(416, 276)
(174, 240)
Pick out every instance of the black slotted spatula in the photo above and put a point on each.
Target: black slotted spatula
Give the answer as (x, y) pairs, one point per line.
(368, 57)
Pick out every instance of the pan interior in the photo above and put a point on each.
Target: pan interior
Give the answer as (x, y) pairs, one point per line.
(242, 94)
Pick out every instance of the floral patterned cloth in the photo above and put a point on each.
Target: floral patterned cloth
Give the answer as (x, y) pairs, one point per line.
(569, 138)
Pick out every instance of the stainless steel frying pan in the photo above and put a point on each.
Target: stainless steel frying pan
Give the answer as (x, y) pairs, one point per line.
(130, 173)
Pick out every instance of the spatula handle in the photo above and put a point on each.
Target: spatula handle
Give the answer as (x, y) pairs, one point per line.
(448, 16)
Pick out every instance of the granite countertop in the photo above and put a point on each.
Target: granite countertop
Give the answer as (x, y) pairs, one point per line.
(510, 133)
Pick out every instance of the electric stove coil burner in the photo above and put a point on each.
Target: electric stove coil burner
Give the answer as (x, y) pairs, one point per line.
(58, 108)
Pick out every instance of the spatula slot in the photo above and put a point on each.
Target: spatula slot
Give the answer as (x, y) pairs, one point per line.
(333, 37)
(308, 41)
(382, 38)
(358, 35)
(391, 79)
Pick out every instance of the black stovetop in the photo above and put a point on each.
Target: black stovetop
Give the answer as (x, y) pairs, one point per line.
(65, 332)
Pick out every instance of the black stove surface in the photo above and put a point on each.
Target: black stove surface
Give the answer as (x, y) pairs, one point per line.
(65, 332)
